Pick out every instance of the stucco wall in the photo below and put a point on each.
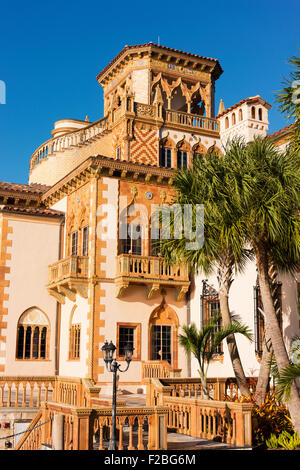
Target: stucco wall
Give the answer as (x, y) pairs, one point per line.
(34, 247)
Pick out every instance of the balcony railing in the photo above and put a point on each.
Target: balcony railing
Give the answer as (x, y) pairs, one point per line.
(191, 120)
(150, 270)
(150, 267)
(67, 277)
(73, 266)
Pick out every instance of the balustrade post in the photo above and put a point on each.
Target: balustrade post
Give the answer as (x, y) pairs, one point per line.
(82, 429)
(58, 432)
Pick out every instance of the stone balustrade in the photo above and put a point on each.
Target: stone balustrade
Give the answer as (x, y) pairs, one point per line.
(210, 419)
(150, 267)
(218, 388)
(87, 429)
(73, 266)
(76, 138)
(191, 120)
(158, 370)
(25, 391)
(151, 271)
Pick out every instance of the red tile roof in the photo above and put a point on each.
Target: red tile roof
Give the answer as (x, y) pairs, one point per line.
(24, 188)
(126, 48)
(251, 99)
(281, 131)
(41, 211)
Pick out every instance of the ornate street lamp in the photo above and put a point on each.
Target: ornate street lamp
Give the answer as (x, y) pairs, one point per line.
(113, 366)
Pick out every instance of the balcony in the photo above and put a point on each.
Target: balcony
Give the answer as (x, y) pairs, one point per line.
(150, 271)
(68, 277)
(193, 121)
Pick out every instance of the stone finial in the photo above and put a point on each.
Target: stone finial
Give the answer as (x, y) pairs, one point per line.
(221, 107)
(87, 118)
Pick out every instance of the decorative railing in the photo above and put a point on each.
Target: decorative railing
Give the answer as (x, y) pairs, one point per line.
(25, 391)
(158, 370)
(72, 139)
(191, 120)
(74, 391)
(137, 428)
(73, 266)
(150, 267)
(145, 110)
(219, 388)
(209, 419)
(87, 429)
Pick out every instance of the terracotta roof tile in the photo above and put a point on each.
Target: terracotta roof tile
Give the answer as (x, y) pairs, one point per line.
(41, 211)
(24, 188)
(281, 131)
(251, 99)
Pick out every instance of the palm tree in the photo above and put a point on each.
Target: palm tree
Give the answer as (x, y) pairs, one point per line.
(285, 378)
(204, 343)
(288, 99)
(223, 249)
(267, 189)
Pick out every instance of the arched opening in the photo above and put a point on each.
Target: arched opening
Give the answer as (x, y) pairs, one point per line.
(253, 112)
(226, 123)
(233, 121)
(163, 335)
(240, 115)
(32, 334)
(260, 114)
(74, 334)
(178, 100)
(165, 152)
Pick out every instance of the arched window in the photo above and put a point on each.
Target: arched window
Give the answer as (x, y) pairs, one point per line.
(74, 334)
(165, 157)
(233, 119)
(226, 123)
(32, 335)
(260, 114)
(163, 335)
(240, 115)
(182, 159)
(253, 112)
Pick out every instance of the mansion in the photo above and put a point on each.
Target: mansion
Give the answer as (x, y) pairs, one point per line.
(69, 282)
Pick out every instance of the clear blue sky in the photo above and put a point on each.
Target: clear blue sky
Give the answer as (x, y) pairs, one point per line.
(52, 51)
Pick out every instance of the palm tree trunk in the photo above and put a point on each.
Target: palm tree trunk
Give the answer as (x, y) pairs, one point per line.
(225, 281)
(264, 374)
(265, 366)
(273, 327)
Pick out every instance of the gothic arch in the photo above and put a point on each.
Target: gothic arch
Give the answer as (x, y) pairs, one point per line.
(164, 316)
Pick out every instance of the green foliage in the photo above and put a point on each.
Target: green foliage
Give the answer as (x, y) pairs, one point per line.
(271, 417)
(203, 343)
(289, 441)
(272, 442)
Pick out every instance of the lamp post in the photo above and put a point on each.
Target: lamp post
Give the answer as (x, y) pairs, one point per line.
(113, 366)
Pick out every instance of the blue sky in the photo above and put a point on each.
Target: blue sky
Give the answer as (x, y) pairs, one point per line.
(52, 51)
